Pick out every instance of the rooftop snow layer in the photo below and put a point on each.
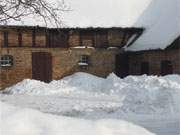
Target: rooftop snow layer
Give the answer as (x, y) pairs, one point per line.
(162, 22)
(160, 18)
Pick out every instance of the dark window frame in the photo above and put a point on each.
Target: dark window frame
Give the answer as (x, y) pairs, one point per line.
(84, 60)
(6, 61)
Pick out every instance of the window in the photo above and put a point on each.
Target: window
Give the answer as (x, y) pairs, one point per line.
(166, 67)
(84, 60)
(6, 61)
(145, 68)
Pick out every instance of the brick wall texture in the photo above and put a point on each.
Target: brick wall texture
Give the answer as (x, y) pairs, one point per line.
(64, 62)
(154, 58)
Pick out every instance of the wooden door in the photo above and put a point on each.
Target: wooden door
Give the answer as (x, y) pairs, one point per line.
(145, 68)
(166, 67)
(122, 66)
(42, 66)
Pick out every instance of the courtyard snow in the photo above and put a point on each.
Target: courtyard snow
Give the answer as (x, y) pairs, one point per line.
(150, 102)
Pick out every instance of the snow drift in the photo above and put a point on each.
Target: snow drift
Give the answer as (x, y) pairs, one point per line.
(18, 121)
(137, 94)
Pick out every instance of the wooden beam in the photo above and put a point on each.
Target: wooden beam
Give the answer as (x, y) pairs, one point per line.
(5, 34)
(34, 37)
(124, 37)
(20, 39)
(47, 38)
(135, 38)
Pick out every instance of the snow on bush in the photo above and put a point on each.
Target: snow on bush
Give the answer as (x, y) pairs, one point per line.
(136, 94)
(18, 121)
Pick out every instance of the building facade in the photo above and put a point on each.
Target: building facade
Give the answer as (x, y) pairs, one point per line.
(46, 54)
(155, 62)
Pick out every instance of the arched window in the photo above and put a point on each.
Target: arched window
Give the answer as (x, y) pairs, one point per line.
(6, 61)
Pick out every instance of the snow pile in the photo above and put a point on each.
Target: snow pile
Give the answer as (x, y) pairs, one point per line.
(136, 94)
(146, 94)
(76, 83)
(18, 121)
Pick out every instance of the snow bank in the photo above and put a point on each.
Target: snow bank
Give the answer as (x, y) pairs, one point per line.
(76, 83)
(137, 94)
(18, 121)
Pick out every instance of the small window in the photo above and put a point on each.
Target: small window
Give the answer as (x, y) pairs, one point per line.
(6, 61)
(84, 60)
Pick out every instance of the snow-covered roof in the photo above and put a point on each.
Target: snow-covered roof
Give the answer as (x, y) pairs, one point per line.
(160, 18)
(162, 22)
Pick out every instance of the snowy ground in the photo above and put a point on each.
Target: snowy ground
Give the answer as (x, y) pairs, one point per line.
(150, 102)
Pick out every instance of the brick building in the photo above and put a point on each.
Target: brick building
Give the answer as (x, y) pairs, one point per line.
(98, 37)
(46, 54)
(155, 62)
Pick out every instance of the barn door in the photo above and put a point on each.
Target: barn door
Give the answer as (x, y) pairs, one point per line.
(42, 66)
(122, 66)
(144, 68)
(166, 67)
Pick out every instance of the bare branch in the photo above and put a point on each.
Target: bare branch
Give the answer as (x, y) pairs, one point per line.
(17, 9)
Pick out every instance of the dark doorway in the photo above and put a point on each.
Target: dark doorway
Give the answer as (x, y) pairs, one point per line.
(42, 66)
(122, 66)
(166, 67)
(145, 68)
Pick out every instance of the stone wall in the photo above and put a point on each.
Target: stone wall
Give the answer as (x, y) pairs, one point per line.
(64, 61)
(154, 59)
